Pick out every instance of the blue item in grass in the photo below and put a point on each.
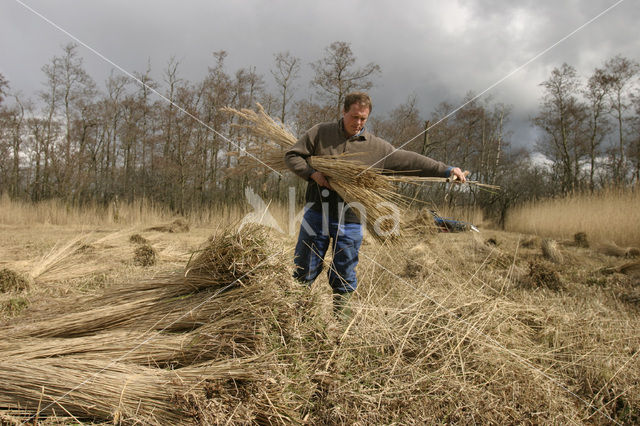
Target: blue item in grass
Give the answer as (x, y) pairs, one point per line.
(445, 224)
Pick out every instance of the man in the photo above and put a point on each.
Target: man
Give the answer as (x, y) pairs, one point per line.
(328, 217)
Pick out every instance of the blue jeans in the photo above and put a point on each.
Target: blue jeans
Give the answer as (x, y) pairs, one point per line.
(313, 243)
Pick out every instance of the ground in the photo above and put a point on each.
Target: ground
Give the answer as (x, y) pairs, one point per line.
(465, 327)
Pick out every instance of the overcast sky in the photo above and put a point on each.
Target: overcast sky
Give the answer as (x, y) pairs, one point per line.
(435, 50)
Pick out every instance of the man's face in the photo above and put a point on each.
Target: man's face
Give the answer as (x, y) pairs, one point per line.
(355, 118)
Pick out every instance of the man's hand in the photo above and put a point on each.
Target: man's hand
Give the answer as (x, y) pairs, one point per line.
(458, 175)
(321, 179)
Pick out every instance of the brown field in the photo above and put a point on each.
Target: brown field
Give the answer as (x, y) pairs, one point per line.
(447, 328)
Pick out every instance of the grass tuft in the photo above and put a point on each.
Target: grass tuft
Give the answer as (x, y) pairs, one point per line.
(145, 255)
(12, 281)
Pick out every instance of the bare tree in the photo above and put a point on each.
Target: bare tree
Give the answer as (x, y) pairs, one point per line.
(309, 113)
(620, 73)
(336, 75)
(68, 91)
(17, 137)
(46, 158)
(11, 125)
(438, 137)
(561, 117)
(596, 93)
(116, 93)
(145, 126)
(402, 124)
(188, 97)
(172, 80)
(4, 87)
(216, 93)
(78, 89)
(287, 68)
(634, 147)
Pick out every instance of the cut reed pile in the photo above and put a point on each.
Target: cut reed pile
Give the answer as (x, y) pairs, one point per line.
(172, 303)
(465, 343)
(103, 389)
(176, 226)
(359, 185)
(135, 351)
(612, 249)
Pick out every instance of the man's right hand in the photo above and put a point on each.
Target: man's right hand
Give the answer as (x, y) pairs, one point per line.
(320, 179)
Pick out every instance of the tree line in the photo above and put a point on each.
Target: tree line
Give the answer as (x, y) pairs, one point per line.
(80, 143)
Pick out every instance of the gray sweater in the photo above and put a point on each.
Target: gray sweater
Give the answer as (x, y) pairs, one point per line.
(330, 139)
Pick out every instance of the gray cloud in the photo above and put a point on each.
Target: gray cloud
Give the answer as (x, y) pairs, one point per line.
(436, 50)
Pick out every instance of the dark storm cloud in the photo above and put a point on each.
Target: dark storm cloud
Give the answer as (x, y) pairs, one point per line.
(437, 51)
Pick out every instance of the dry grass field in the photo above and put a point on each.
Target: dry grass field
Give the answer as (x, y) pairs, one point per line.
(109, 317)
(610, 216)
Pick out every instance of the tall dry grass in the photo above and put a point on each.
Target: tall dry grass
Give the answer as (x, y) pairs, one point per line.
(611, 215)
(140, 212)
(59, 212)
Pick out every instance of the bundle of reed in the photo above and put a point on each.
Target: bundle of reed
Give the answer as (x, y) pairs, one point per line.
(357, 184)
(233, 256)
(151, 353)
(105, 390)
(164, 312)
(223, 338)
(612, 249)
(370, 188)
(369, 193)
(217, 284)
(551, 251)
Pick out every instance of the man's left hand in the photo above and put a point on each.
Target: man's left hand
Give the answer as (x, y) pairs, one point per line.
(458, 175)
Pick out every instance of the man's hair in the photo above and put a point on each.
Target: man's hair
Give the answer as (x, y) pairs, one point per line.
(357, 98)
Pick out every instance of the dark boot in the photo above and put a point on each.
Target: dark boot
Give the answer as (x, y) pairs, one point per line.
(341, 307)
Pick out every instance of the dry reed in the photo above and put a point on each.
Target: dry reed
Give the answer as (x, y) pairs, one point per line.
(12, 281)
(455, 341)
(550, 251)
(176, 226)
(102, 389)
(109, 359)
(58, 212)
(607, 215)
(357, 184)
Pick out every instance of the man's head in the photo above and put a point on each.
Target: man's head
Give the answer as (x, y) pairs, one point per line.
(357, 107)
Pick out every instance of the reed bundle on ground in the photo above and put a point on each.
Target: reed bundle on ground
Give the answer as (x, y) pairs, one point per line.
(214, 322)
(222, 338)
(612, 249)
(138, 239)
(145, 255)
(103, 389)
(176, 226)
(550, 251)
(213, 284)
